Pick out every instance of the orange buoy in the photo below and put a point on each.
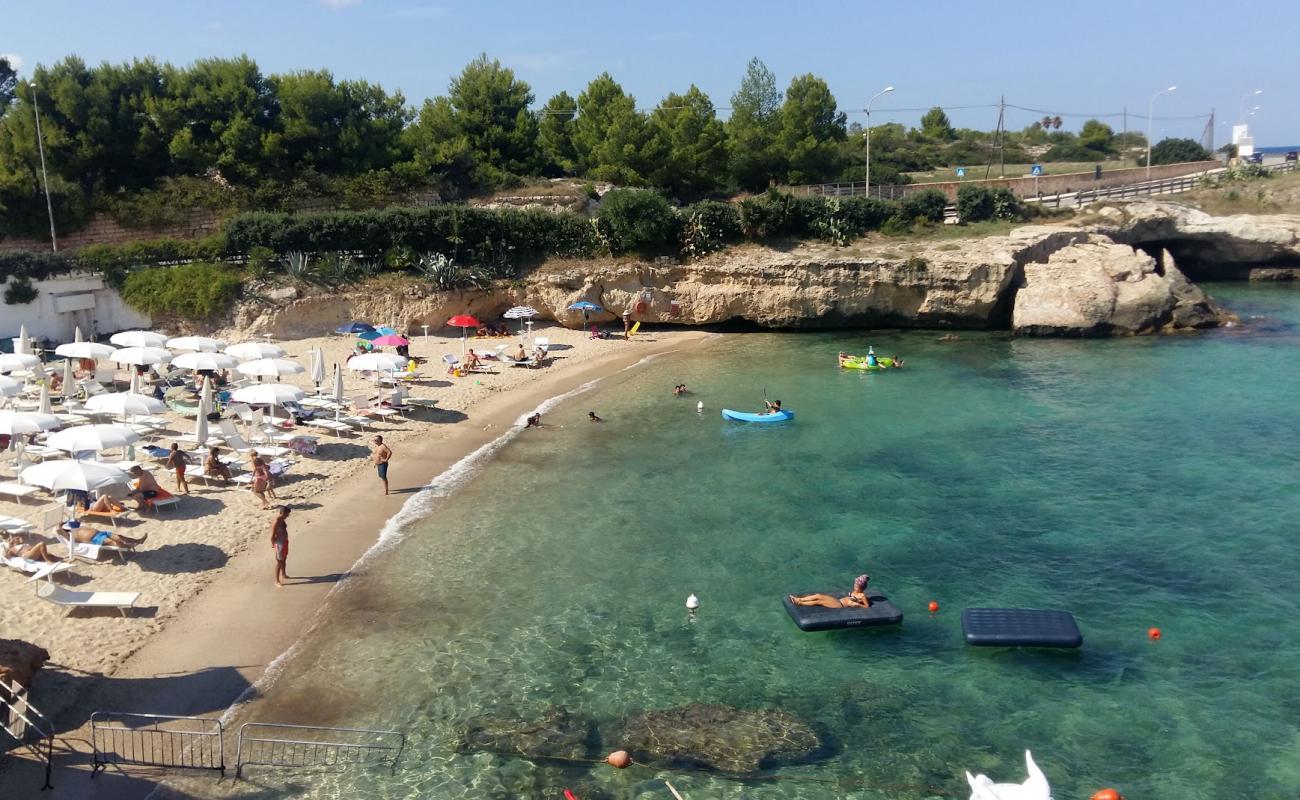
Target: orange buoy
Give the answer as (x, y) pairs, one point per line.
(619, 759)
(934, 606)
(1107, 794)
(1153, 634)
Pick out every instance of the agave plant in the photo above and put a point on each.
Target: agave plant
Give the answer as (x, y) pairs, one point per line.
(298, 266)
(446, 276)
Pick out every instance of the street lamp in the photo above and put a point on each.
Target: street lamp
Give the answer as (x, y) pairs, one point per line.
(45, 179)
(1241, 107)
(867, 177)
(1151, 111)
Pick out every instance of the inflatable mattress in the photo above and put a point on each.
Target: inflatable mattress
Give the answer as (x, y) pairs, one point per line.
(1019, 627)
(818, 618)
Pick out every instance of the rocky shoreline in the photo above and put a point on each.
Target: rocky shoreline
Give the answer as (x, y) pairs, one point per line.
(1124, 269)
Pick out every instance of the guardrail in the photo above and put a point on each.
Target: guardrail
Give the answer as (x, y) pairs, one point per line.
(156, 740)
(305, 746)
(20, 719)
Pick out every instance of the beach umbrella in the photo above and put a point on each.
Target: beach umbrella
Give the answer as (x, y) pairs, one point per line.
(9, 387)
(43, 405)
(138, 339)
(141, 356)
(586, 307)
(271, 367)
(135, 384)
(76, 335)
(92, 437)
(317, 368)
(196, 344)
(249, 351)
(268, 394)
(68, 379)
(123, 404)
(390, 340)
(205, 408)
(93, 350)
(464, 322)
(204, 361)
(82, 476)
(14, 423)
(377, 362)
(23, 346)
(13, 362)
(354, 327)
(521, 312)
(375, 333)
(337, 395)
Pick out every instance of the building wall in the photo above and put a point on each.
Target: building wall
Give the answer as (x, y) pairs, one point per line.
(65, 302)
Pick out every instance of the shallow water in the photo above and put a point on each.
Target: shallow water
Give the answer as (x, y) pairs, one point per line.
(1136, 482)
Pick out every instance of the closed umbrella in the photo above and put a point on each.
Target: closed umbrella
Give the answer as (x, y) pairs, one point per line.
(248, 351)
(205, 408)
(76, 335)
(15, 423)
(317, 368)
(138, 339)
(141, 356)
(464, 322)
(82, 476)
(9, 387)
(196, 344)
(43, 405)
(271, 367)
(92, 437)
(337, 396)
(355, 327)
(24, 344)
(204, 361)
(13, 362)
(122, 404)
(93, 350)
(68, 379)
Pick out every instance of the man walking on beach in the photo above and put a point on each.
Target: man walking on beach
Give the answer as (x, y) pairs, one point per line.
(380, 455)
(280, 544)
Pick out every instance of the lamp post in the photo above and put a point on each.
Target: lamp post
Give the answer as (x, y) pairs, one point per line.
(45, 179)
(1241, 107)
(1151, 111)
(867, 177)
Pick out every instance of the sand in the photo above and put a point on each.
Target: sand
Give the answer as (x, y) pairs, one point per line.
(210, 619)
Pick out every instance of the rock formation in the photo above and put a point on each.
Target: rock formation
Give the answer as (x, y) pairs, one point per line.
(20, 661)
(557, 734)
(718, 737)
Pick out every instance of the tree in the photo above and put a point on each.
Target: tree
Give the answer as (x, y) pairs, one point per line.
(810, 128)
(8, 83)
(438, 146)
(687, 145)
(753, 128)
(609, 134)
(555, 135)
(935, 125)
(1097, 135)
(1176, 151)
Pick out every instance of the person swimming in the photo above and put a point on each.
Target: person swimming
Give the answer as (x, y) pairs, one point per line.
(871, 357)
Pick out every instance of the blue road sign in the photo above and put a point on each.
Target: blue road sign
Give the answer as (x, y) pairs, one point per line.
(1036, 169)
(961, 172)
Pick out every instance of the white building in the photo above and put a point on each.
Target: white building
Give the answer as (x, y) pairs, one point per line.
(65, 302)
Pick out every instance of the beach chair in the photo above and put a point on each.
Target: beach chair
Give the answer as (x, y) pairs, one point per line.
(239, 444)
(18, 491)
(71, 600)
(91, 387)
(37, 569)
(452, 361)
(276, 466)
(10, 525)
(111, 516)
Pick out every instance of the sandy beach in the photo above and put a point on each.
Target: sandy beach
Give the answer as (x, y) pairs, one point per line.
(210, 619)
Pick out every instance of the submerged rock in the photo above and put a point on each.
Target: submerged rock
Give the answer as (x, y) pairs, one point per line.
(557, 734)
(718, 737)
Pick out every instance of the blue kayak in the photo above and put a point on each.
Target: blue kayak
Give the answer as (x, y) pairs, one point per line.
(745, 416)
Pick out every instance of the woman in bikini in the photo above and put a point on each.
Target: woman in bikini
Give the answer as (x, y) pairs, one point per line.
(261, 480)
(857, 598)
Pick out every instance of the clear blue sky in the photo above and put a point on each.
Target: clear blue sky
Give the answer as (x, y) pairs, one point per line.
(1068, 58)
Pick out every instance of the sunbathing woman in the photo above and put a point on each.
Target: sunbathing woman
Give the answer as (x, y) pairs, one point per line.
(18, 548)
(104, 505)
(855, 599)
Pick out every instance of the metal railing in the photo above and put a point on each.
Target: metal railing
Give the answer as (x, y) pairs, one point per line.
(25, 723)
(858, 189)
(156, 740)
(267, 744)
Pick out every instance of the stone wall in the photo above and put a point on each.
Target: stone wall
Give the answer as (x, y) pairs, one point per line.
(103, 229)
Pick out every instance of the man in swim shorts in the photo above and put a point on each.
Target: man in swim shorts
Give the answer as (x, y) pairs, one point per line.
(280, 544)
(380, 455)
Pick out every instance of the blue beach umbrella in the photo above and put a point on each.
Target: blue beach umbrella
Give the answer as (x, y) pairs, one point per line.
(586, 307)
(355, 326)
(375, 333)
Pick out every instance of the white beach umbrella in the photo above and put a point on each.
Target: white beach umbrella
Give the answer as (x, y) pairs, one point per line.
(9, 387)
(377, 362)
(141, 356)
(205, 408)
(12, 362)
(85, 350)
(317, 367)
(521, 312)
(68, 378)
(43, 405)
(271, 367)
(135, 384)
(337, 395)
(13, 423)
(268, 394)
(84, 476)
(92, 437)
(122, 404)
(201, 361)
(247, 351)
(196, 344)
(24, 344)
(76, 335)
(138, 339)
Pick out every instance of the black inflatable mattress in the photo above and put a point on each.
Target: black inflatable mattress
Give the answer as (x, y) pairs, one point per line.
(1019, 627)
(819, 618)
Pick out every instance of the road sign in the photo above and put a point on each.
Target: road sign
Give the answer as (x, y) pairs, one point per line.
(961, 172)
(1036, 169)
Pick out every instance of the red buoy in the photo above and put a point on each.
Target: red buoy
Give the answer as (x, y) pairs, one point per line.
(1107, 794)
(1153, 634)
(568, 795)
(934, 606)
(619, 759)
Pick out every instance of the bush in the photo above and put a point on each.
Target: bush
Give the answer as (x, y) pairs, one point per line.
(193, 291)
(636, 219)
(708, 226)
(928, 204)
(768, 215)
(20, 292)
(974, 203)
(35, 266)
(1177, 151)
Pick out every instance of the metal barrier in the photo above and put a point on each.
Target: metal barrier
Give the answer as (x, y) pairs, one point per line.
(156, 740)
(304, 746)
(23, 721)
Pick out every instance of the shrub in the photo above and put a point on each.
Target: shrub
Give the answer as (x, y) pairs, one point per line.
(636, 219)
(36, 266)
(974, 203)
(446, 276)
(193, 291)
(928, 204)
(768, 215)
(20, 292)
(708, 226)
(1007, 206)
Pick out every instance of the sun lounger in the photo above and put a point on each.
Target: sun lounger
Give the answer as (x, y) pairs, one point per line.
(111, 516)
(18, 491)
(37, 569)
(10, 525)
(277, 467)
(69, 599)
(337, 426)
(91, 552)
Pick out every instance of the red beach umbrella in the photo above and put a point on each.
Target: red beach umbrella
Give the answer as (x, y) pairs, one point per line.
(464, 322)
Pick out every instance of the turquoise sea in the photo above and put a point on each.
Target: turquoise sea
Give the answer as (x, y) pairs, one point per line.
(1136, 482)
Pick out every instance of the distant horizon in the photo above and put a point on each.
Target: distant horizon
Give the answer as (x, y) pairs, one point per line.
(963, 60)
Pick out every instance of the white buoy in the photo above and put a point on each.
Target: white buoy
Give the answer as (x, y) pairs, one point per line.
(692, 602)
(699, 406)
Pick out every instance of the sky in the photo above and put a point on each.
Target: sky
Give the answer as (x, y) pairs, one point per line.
(1073, 59)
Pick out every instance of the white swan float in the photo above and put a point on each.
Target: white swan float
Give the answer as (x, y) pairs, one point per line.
(1034, 788)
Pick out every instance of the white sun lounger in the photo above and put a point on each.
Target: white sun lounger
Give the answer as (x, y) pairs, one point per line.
(15, 525)
(69, 599)
(18, 491)
(37, 569)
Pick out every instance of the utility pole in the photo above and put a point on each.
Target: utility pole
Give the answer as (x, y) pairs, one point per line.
(1002, 139)
(45, 179)
(1123, 139)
